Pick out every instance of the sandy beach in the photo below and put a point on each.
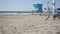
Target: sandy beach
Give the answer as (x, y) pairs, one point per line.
(28, 24)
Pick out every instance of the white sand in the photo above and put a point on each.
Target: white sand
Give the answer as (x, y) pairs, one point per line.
(28, 24)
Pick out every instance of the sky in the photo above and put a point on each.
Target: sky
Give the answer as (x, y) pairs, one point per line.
(24, 5)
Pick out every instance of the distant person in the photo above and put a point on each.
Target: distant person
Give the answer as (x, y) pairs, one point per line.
(45, 11)
(48, 13)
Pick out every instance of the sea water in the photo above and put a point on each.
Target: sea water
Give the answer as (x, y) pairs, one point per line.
(15, 12)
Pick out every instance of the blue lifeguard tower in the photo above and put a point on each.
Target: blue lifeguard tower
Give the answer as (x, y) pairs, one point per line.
(38, 8)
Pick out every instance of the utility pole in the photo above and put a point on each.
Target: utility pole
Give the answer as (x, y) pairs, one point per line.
(54, 7)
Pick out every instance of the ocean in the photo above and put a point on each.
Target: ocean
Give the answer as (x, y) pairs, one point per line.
(17, 12)
(20, 12)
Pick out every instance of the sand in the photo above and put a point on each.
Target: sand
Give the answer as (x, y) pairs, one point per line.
(28, 24)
